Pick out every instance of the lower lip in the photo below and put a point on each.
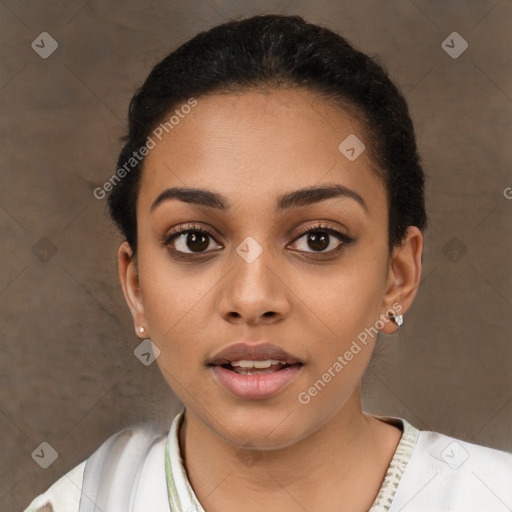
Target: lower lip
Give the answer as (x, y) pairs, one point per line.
(256, 387)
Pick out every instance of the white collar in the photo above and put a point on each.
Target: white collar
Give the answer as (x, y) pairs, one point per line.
(182, 497)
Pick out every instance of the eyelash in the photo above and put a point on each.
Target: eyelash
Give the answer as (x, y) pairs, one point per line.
(319, 227)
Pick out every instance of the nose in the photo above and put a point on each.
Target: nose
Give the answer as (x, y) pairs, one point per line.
(255, 292)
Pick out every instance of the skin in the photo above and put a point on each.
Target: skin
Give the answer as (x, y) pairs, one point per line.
(252, 147)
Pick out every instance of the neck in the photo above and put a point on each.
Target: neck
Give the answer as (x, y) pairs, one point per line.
(343, 461)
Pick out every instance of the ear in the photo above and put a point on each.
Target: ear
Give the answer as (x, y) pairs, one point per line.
(404, 273)
(128, 275)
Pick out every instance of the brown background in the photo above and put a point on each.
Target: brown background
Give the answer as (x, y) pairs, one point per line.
(67, 369)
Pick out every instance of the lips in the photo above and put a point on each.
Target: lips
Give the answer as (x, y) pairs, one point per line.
(236, 368)
(252, 352)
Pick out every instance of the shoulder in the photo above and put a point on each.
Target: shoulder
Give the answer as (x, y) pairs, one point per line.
(120, 458)
(449, 474)
(63, 495)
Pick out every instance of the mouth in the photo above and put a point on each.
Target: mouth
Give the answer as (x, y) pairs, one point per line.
(254, 371)
(255, 383)
(254, 357)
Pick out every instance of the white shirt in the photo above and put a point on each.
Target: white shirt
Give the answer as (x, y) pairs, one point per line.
(429, 472)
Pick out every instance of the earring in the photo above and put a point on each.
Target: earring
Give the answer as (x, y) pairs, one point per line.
(399, 320)
(141, 329)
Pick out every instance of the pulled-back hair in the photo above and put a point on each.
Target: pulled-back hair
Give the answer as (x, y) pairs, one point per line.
(280, 52)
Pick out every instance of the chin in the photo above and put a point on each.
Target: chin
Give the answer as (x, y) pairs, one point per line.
(264, 427)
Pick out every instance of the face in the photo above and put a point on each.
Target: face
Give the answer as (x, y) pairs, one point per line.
(264, 261)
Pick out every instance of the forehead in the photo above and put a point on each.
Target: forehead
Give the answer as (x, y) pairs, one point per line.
(256, 145)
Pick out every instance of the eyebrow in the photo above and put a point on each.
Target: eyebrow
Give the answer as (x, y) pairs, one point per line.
(296, 198)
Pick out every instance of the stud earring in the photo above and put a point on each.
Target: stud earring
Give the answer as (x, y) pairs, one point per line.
(399, 320)
(141, 329)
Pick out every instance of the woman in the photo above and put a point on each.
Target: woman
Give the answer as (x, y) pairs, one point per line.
(272, 203)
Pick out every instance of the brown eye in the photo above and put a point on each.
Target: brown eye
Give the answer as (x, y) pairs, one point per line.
(318, 240)
(190, 241)
(321, 240)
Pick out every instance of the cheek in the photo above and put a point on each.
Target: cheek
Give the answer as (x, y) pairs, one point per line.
(343, 301)
(341, 313)
(175, 302)
(176, 311)
(343, 307)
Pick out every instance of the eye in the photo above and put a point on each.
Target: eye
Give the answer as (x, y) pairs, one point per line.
(322, 239)
(190, 240)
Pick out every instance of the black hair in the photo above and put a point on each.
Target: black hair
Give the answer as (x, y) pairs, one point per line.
(279, 51)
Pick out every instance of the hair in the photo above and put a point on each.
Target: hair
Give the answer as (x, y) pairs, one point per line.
(280, 52)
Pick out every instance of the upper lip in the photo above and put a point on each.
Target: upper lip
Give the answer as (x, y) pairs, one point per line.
(251, 352)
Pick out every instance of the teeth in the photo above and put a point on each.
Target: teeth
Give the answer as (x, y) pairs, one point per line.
(256, 364)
